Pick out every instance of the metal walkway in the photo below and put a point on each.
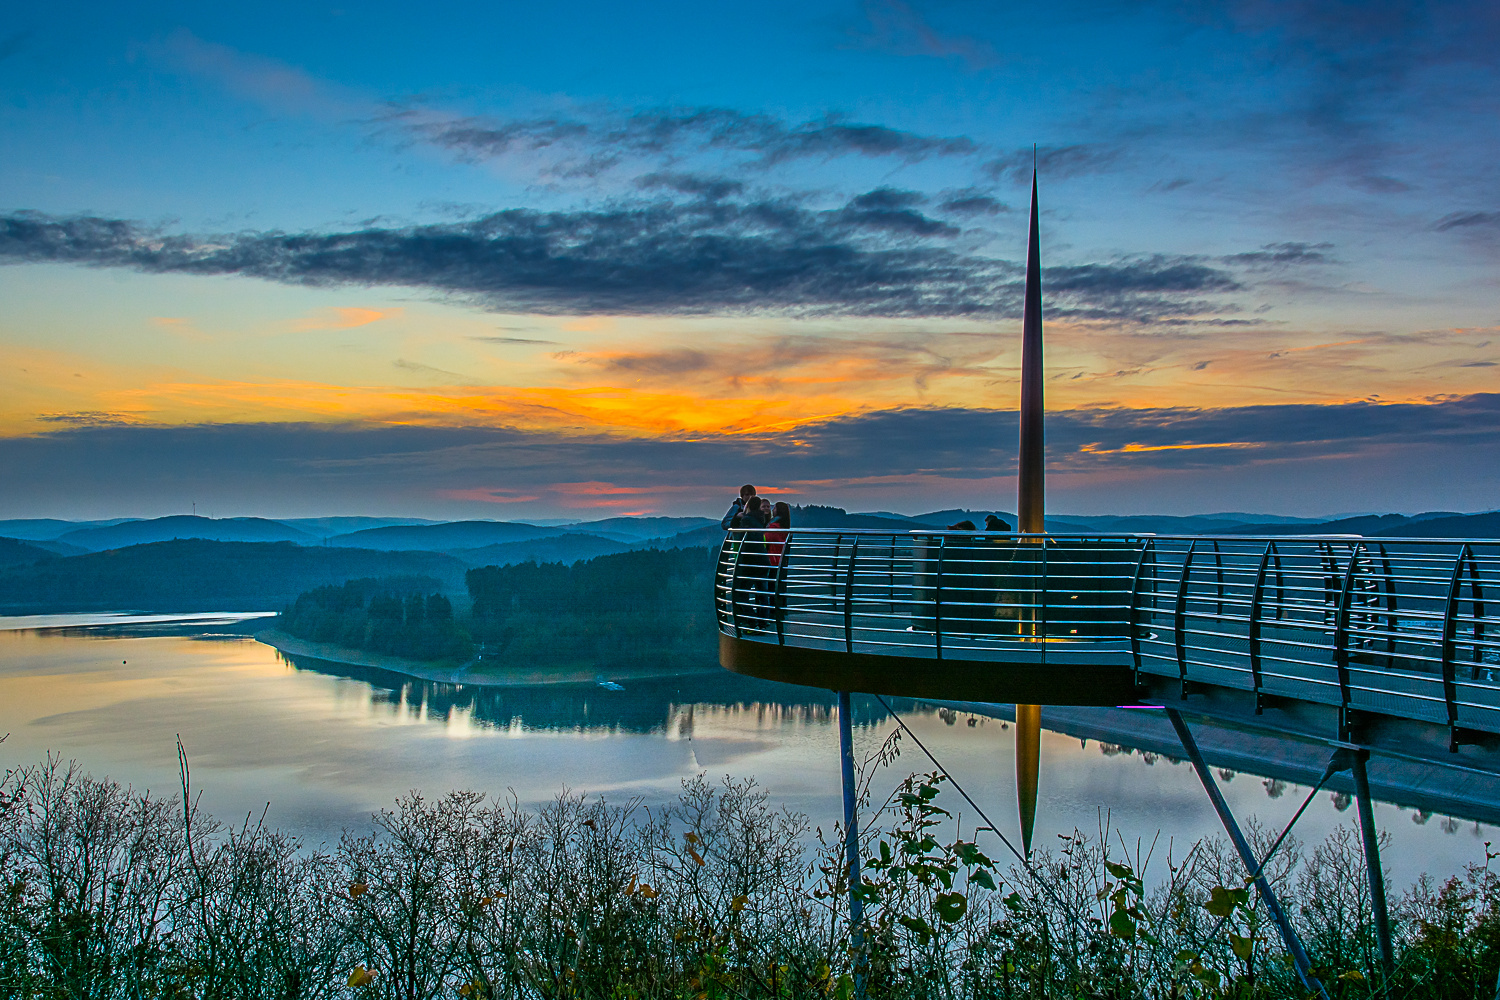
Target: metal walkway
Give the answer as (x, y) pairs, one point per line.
(1351, 632)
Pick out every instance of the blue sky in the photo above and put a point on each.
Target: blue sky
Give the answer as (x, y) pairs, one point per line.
(531, 260)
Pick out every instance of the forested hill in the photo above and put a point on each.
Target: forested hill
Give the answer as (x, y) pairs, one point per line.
(644, 608)
(199, 575)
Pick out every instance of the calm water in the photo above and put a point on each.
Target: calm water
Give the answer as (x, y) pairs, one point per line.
(325, 745)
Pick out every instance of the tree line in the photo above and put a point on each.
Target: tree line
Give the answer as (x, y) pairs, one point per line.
(649, 607)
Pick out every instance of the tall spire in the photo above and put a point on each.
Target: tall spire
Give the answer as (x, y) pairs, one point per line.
(1031, 490)
(1031, 505)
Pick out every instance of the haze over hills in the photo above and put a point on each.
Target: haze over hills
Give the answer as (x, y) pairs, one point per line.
(161, 529)
(447, 537)
(199, 575)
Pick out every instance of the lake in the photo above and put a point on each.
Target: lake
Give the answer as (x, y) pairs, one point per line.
(324, 744)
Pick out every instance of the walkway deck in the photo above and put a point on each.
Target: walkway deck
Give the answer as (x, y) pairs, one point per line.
(1404, 629)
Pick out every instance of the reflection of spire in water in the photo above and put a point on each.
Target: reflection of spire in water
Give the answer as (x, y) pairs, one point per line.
(1030, 502)
(1028, 765)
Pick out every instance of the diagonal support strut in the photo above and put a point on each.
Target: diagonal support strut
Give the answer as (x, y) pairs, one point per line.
(1247, 856)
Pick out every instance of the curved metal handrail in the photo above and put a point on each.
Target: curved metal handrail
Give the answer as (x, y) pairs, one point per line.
(1367, 625)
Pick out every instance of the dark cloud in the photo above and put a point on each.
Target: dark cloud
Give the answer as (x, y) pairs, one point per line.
(1053, 162)
(887, 199)
(84, 418)
(382, 469)
(694, 185)
(511, 340)
(1148, 289)
(1466, 220)
(971, 202)
(590, 145)
(1274, 256)
(759, 255)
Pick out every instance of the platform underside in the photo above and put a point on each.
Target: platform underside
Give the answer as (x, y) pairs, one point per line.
(1021, 675)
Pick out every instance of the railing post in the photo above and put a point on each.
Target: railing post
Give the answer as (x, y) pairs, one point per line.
(851, 840)
(1391, 621)
(1476, 594)
(1341, 636)
(849, 598)
(937, 597)
(778, 590)
(1300, 961)
(1219, 577)
(734, 588)
(1450, 642)
(1135, 602)
(1256, 598)
(1372, 865)
(1179, 617)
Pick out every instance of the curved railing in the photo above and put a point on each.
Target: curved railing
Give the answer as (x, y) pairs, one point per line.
(1408, 627)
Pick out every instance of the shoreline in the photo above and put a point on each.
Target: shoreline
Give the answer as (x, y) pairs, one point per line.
(289, 645)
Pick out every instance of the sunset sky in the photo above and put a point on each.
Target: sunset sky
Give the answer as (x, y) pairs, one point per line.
(575, 260)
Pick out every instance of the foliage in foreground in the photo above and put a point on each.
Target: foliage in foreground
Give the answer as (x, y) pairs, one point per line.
(107, 893)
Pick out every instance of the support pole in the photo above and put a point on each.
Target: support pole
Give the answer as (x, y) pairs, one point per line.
(1247, 856)
(1372, 865)
(851, 841)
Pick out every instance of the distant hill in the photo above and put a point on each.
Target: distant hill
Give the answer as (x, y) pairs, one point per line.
(562, 548)
(640, 527)
(1368, 524)
(14, 552)
(1459, 526)
(161, 529)
(41, 529)
(323, 527)
(199, 575)
(710, 535)
(449, 537)
(816, 516)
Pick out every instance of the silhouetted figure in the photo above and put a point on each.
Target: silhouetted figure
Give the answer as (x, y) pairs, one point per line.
(993, 523)
(963, 526)
(737, 507)
(775, 535)
(751, 576)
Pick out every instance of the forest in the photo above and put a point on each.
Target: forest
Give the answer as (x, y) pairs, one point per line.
(396, 616)
(647, 607)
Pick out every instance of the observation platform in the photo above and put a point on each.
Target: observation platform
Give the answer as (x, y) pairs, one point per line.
(1342, 635)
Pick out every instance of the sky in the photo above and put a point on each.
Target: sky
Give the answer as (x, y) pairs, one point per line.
(583, 259)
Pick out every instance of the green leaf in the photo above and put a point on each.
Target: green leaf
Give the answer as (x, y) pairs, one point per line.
(983, 878)
(1121, 925)
(971, 855)
(1221, 901)
(1118, 871)
(918, 926)
(1241, 946)
(950, 906)
(1014, 902)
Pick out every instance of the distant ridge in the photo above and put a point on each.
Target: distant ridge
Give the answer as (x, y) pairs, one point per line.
(198, 575)
(448, 537)
(1460, 526)
(161, 529)
(13, 552)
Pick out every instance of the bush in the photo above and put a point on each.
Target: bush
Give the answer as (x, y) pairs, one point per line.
(106, 892)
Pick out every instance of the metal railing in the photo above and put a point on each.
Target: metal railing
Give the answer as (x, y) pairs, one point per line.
(1405, 627)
